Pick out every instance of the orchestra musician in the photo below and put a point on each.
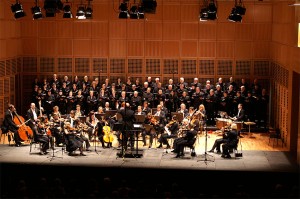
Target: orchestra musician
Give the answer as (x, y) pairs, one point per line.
(57, 129)
(32, 114)
(183, 110)
(218, 142)
(75, 129)
(73, 142)
(146, 109)
(95, 128)
(160, 123)
(41, 135)
(231, 141)
(240, 116)
(78, 111)
(187, 140)
(171, 132)
(9, 124)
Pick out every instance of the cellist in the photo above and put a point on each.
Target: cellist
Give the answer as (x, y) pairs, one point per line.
(10, 124)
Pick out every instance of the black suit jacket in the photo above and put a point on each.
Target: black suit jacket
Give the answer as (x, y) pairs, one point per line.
(127, 117)
(240, 116)
(30, 115)
(8, 122)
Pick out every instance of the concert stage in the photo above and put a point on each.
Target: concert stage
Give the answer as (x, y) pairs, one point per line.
(258, 172)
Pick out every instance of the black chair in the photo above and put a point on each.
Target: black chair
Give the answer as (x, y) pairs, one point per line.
(275, 134)
(191, 146)
(33, 142)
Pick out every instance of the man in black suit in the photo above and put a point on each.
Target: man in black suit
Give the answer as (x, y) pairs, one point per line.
(240, 114)
(128, 119)
(9, 124)
(231, 141)
(32, 115)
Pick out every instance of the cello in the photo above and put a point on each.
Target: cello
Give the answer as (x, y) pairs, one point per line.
(24, 131)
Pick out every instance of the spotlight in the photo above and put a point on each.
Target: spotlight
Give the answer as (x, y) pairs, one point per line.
(149, 6)
(141, 12)
(17, 9)
(37, 11)
(123, 11)
(67, 10)
(209, 12)
(81, 12)
(237, 12)
(52, 7)
(134, 12)
(89, 11)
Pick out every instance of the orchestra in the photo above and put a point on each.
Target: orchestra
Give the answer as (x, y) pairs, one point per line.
(199, 106)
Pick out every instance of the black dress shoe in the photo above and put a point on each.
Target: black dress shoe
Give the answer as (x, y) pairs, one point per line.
(210, 151)
(18, 144)
(82, 154)
(177, 156)
(159, 146)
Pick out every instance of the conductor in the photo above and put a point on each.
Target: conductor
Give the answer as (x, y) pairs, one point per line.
(128, 119)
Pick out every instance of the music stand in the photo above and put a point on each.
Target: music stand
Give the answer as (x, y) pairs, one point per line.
(82, 119)
(179, 116)
(205, 156)
(100, 116)
(110, 113)
(64, 116)
(140, 118)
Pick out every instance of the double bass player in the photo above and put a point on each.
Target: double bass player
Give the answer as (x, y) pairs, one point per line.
(10, 125)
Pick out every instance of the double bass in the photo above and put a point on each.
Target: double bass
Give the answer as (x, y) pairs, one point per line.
(24, 131)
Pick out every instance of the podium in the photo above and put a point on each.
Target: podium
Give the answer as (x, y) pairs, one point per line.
(135, 153)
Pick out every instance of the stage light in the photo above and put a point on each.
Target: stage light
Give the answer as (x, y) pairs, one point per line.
(237, 12)
(134, 12)
(17, 9)
(141, 12)
(124, 14)
(149, 6)
(81, 12)
(89, 11)
(67, 10)
(37, 11)
(209, 12)
(52, 7)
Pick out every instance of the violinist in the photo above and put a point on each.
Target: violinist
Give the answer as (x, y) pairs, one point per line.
(57, 129)
(95, 128)
(75, 125)
(171, 131)
(72, 140)
(10, 125)
(78, 111)
(41, 135)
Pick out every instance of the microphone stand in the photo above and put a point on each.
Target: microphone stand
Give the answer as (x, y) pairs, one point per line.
(205, 156)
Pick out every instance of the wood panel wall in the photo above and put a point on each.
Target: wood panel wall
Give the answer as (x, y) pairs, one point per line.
(285, 57)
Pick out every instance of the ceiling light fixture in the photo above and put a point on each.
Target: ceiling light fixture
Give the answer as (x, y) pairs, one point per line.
(67, 10)
(123, 8)
(89, 11)
(237, 12)
(37, 11)
(17, 9)
(209, 11)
